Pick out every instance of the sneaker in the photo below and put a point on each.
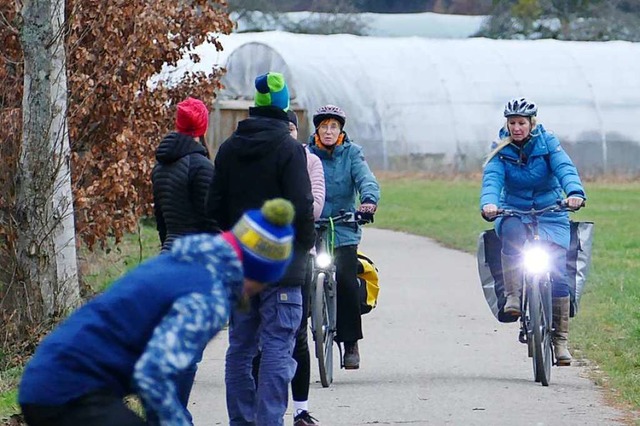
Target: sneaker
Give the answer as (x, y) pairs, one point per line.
(305, 419)
(351, 356)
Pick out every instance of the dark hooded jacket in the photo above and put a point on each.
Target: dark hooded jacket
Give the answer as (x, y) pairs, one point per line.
(181, 179)
(258, 162)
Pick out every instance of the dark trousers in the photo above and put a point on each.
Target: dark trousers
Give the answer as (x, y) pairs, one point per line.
(94, 409)
(349, 321)
(302, 377)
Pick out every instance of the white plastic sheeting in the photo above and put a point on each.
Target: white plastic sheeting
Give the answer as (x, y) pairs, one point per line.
(443, 99)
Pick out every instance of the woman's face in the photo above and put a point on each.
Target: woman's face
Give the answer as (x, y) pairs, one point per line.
(329, 130)
(293, 130)
(519, 127)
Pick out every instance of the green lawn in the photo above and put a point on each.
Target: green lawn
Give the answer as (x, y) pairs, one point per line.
(8, 394)
(607, 329)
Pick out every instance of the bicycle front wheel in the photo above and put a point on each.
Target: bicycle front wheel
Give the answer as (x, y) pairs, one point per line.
(323, 331)
(541, 333)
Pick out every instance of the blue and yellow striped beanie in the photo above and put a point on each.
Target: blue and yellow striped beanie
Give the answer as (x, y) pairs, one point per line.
(266, 239)
(271, 89)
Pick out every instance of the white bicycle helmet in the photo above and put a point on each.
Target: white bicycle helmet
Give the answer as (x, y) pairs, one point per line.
(329, 111)
(520, 107)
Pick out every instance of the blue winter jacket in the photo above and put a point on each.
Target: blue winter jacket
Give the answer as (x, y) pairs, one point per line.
(148, 327)
(346, 174)
(533, 176)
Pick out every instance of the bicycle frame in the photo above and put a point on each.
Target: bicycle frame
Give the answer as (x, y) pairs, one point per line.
(324, 293)
(536, 321)
(323, 305)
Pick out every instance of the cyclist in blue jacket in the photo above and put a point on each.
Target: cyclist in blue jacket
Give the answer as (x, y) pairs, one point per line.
(527, 168)
(346, 175)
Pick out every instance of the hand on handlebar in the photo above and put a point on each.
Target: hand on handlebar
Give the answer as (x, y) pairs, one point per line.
(574, 203)
(366, 211)
(367, 208)
(364, 217)
(489, 211)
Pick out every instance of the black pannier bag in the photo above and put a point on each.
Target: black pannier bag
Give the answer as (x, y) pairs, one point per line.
(490, 267)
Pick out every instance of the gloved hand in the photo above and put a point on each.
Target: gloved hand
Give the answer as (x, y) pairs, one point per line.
(366, 212)
(489, 211)
(367, 208)
(574, 203)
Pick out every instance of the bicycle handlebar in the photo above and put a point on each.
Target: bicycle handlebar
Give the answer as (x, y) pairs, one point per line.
(559, 206)
(356, 217)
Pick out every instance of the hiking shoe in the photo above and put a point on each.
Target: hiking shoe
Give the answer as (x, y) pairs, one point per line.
(351, 356)
(305, 419)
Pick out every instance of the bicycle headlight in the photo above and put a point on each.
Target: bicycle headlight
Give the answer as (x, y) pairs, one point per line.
(323, 260)
(536, 260)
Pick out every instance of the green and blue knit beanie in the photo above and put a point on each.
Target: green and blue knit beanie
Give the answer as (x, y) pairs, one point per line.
(271, 89)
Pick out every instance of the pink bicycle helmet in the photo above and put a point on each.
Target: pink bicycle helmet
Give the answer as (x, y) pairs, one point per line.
(329, 111)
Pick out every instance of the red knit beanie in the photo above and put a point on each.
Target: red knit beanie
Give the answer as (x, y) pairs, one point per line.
(192, 117)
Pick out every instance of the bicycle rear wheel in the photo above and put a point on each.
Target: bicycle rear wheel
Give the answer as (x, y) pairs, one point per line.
(323, 332)
(541, 333)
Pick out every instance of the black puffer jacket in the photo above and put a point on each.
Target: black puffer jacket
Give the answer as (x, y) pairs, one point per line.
(181, 179)
(260, 161)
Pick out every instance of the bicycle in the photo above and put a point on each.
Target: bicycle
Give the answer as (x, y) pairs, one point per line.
(324, 291)
(536, 324)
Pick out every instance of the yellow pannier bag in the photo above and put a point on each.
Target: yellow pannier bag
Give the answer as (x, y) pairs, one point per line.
(368, 283)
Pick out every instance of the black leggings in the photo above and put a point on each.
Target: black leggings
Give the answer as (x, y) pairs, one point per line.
(302, 377)
(94, 409)
(349, 321)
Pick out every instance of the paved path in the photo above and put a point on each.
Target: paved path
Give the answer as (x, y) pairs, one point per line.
(433, 354)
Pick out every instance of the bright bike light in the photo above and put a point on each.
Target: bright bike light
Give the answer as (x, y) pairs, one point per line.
(323, 260)
(536, 260)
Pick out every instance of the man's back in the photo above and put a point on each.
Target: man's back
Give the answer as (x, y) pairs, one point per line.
(259, 161)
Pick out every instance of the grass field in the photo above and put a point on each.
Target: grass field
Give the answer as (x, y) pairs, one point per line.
(607, 328)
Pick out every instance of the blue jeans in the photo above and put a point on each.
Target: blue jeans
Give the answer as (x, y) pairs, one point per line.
(514, 234)
(271, 325)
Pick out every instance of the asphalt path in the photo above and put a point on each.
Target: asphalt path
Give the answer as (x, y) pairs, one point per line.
(433, 354)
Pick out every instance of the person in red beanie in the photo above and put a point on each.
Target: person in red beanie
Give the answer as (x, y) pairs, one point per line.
(182, 175)
(181, 179)
(192, 118)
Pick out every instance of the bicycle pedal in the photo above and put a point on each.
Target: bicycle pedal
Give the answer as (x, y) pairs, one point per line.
(522, 337)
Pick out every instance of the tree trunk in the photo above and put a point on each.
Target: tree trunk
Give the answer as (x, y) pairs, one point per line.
(46, 241)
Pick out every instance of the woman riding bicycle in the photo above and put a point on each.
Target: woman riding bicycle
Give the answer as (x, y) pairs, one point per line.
(346, 174)
(527, 168)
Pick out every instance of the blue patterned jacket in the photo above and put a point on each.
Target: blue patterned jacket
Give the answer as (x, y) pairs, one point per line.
(136, 336)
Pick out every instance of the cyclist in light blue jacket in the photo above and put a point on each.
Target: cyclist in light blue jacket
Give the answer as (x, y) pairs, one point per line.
(528, 169)
(347, 176)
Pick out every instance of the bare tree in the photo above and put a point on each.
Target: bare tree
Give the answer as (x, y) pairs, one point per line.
(595, 20)
(331, 17)
(257, 15)
(327, 16)
(46, 245)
